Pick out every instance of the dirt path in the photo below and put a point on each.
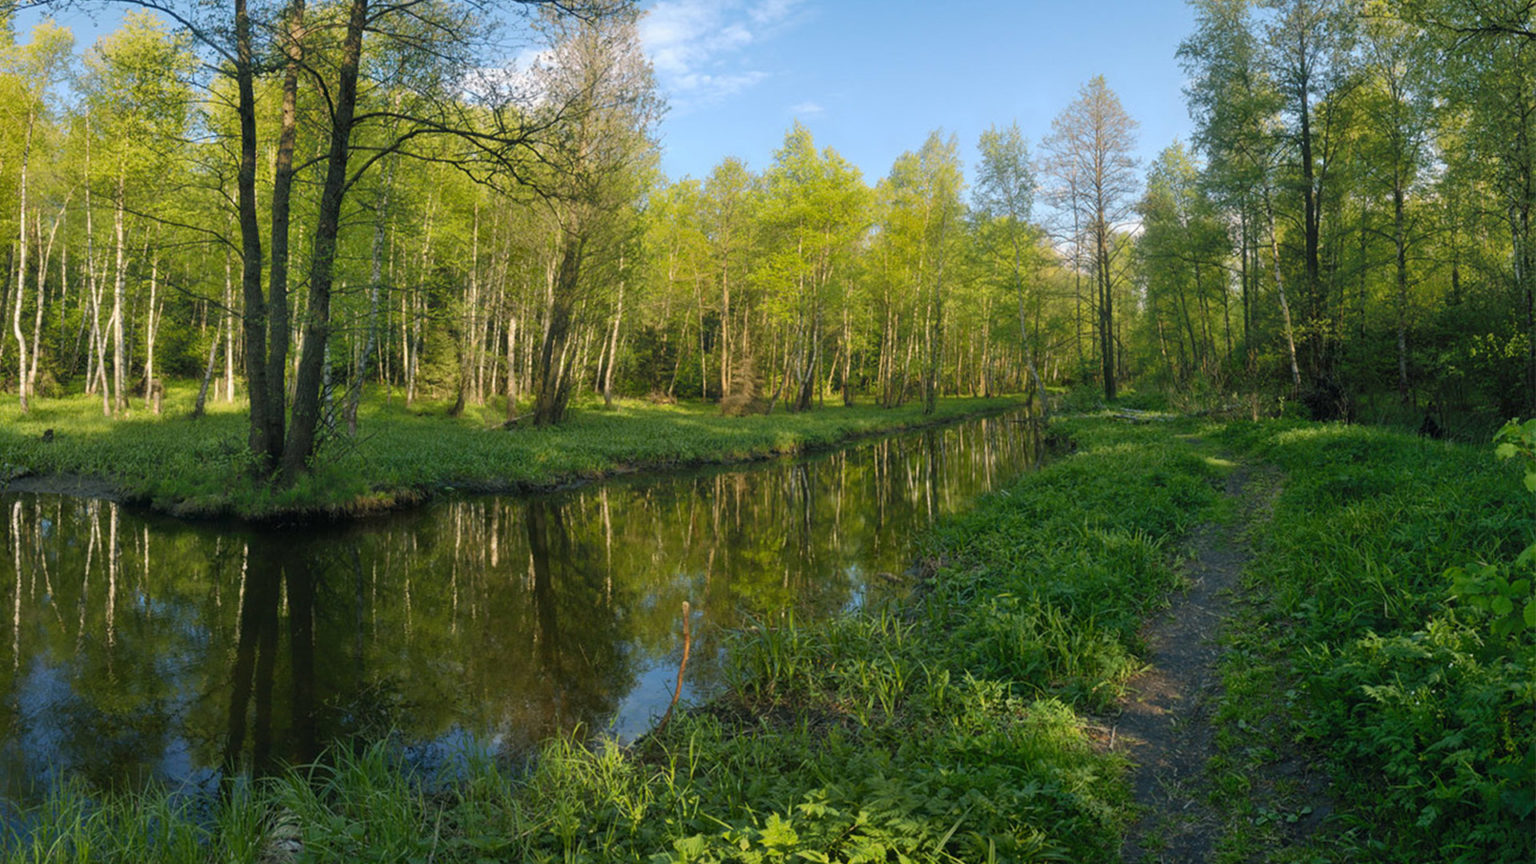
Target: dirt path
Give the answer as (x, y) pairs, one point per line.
(1166, 725)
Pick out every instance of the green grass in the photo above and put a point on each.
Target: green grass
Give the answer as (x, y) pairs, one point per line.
(954, 726)
(401, 454)
(1351, 652)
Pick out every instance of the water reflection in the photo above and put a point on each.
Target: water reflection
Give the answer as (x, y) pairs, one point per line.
(145, 647)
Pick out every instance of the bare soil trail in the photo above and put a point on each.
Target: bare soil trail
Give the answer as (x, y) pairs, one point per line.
(1165, 727)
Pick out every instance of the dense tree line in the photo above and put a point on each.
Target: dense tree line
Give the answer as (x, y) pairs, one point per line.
(1361, 191)
(297, 204)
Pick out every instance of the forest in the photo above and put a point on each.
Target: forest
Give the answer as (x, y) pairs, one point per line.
(297, 207)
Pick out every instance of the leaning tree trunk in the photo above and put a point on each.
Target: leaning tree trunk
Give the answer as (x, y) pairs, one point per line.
(202, 392)
(613, 346)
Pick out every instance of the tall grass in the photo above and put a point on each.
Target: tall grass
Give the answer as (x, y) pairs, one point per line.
(1354, 649)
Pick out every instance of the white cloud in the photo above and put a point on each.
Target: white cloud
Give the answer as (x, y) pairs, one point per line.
(699, 48)
(805, 109)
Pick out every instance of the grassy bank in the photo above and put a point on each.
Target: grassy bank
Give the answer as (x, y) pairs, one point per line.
(402, 454)
(1358, 652)
(952, 727)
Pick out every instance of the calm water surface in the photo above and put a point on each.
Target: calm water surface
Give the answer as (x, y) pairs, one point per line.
(135, 646)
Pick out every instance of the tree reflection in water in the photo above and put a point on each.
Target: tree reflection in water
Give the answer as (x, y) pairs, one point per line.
(141, 646)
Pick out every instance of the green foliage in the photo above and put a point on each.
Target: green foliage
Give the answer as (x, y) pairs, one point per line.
(1425, 713)
(1505, 595)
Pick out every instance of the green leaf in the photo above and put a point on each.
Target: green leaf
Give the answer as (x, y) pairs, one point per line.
(779, 832)
(689, 847)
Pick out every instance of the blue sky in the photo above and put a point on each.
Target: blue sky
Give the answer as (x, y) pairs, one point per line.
(871, 78)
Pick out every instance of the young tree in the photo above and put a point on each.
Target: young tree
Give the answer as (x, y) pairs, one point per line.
(1090, 148)
(813, 210)
(596, 164)
(1399, 133)
(1235, 106)
(925, 227)
(1307, 52)
(726, 203)
(1004, 194)
(1182, 251)
(35, 67)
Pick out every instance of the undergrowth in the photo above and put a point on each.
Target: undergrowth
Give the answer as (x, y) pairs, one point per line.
(1364, 647)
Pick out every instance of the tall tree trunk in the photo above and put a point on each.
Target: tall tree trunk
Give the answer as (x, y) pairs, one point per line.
(229, 332)
(512, 369)
(119, 286)
(847, 355)
(1285, 306)
(277, 281)
(1106, 304)
(306, 402)
(255, 315)
(1400, 240)
(613, 343)
(551, 387)
(1026, 343)
(21, 270)
(1311, 270)
(151, 325)
(725, 328)
(42, 294)
(375, 278)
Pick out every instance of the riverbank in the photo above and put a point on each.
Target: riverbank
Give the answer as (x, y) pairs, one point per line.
(975, 720)
(956, 725)
(405, 454)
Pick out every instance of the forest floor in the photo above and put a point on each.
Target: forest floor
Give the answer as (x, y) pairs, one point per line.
(404, 454)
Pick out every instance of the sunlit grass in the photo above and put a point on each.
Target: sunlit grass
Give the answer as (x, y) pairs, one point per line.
(1352, 652)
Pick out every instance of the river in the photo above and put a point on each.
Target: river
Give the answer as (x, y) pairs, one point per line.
(136, 646)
